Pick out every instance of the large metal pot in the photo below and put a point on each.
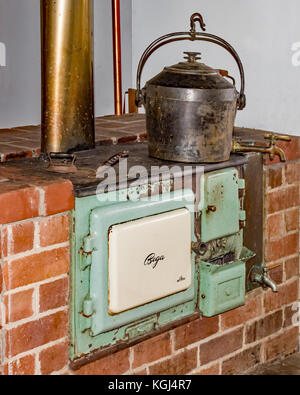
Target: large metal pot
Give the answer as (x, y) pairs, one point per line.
(190, 107)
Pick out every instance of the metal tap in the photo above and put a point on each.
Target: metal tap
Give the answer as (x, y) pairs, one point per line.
(263, 279)
(272, 149)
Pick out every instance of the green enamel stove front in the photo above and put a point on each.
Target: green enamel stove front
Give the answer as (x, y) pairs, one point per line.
(221, 253)
(94, 325)
(102, 314)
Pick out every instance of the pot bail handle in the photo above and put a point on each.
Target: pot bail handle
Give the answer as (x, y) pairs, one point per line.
(192, 35)
(196, 17)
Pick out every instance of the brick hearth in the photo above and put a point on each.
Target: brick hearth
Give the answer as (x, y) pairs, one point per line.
(34, 276)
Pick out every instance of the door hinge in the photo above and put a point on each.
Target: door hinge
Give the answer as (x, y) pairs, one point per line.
(88, 308)
(86, 252)
(241, 183)
(86, 314)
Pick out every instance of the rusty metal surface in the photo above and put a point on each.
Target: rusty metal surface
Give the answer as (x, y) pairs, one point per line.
(100, 353)
(62, 163)
(67, 75)
(189, 131)
(85, 181)
(190, 107)
(253, 204)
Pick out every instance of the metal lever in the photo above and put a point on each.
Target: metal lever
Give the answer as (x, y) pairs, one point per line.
(263, 279)
(272, 149)
(111, 162)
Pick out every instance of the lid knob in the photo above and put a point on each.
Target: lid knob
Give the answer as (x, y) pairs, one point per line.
(192, 57)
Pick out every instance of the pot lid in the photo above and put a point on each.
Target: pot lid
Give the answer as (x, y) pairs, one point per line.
(191, 66)
(191, 74)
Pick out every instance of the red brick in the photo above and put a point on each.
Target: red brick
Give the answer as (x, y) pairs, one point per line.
(54, 295)
(132, 117)
(22, 237)
(251, 309)
(242, 362)
(194, 331)
(1, 279)
(114, 364)
(283, 199)
(283, 344)
(1, 324)
(37, 333)
(54, 358)
(16, 153)
(142, 137)
(21, 367)
(213, 370)
(292, 220)
(140, 372)
(291, 150)
(4, 244)
(127, 139)
(292, 315)
(58, 198)
(292, 173)
(287, 293)
(19, 305)
(151, 350)
(221, 346)
(275, 226)
(264, 327)
(178, 364)
(276, 273)
(36, 267)
(19, 204)
(291, 267)
(275, 177)
(287, 245)
(54, 230)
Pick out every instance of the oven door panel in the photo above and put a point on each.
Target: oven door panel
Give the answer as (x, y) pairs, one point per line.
(112, 308)
(148, 259)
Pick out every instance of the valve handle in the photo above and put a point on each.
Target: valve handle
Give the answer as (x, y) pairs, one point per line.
(273, 137)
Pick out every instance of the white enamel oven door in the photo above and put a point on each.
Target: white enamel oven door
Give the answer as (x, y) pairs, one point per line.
(148, 259)
(141, 259)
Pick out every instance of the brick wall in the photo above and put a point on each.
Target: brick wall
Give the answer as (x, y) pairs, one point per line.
(34, 277)
(34, 288)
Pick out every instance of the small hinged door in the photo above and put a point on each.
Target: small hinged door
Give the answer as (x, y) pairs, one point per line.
(221, 212)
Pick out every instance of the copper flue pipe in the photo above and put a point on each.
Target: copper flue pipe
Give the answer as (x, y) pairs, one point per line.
(67, 75)
(117, 56)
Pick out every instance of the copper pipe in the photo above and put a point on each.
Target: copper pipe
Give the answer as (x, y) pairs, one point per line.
(116, 19)
(132, 107)
(67, 75)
